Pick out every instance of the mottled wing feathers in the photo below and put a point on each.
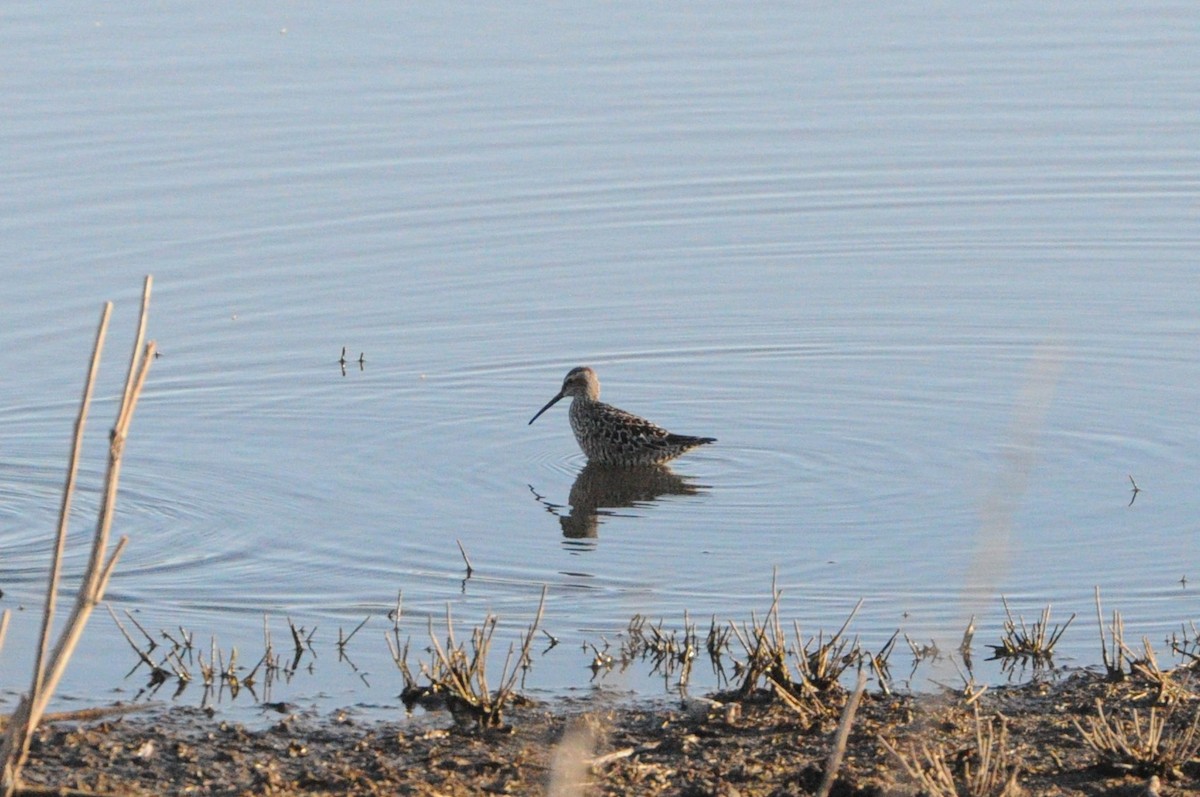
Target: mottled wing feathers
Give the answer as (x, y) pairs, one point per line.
(614, 436)
(624, 427)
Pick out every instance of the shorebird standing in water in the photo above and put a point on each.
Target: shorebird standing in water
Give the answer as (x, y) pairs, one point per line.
(610, 436)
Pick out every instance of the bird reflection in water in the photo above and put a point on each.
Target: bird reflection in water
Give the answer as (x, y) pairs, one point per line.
(601, 491)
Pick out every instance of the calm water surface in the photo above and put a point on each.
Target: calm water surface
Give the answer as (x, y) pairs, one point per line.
(929, 278)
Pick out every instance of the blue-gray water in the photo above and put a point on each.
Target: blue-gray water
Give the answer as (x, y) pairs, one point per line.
(928, 274)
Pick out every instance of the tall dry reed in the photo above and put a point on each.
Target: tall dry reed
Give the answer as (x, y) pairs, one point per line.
(50, 665)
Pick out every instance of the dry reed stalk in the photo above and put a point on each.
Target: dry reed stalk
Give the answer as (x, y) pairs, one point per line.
(716, 642)
(1113, 666)
(879, 663)
(399, 651)
(143, 655)
(466, 559)
(843, 734)
(49, 666)
(89, 714)
(3, 627)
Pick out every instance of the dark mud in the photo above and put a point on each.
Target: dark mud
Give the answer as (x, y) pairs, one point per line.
(757, 746)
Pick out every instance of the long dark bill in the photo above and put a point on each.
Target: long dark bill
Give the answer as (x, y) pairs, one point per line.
(552, 402)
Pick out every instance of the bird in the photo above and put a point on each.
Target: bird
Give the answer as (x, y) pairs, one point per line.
(610, 436)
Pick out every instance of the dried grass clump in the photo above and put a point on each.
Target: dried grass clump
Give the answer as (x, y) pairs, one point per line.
(987, 771)
(1167, 689)
(457, 672)
(670, 652)
(821, 662)
(765, 648)
(1162, 746)
(177, 657)
(818, 663)
(1122, 664)
(1025, 643)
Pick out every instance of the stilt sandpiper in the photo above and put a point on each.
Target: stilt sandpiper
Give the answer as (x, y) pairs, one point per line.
(610, 436)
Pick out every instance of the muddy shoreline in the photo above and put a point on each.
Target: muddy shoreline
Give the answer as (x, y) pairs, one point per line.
(758, 745)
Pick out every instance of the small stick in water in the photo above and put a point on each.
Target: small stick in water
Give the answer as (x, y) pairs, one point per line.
(466, 559)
